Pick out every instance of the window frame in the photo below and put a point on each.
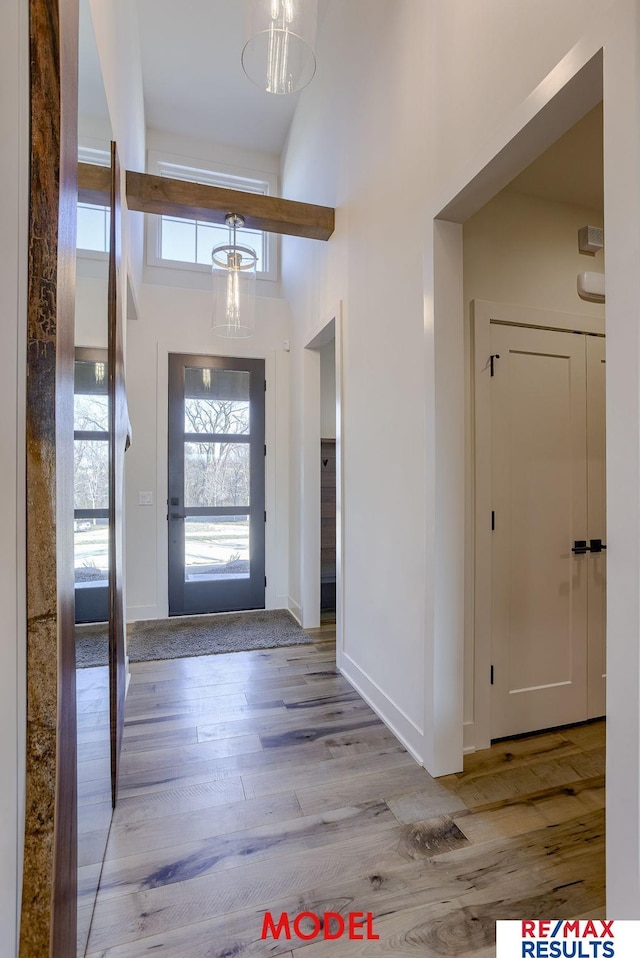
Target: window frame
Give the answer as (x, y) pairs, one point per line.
(95, 157)
(213, 174)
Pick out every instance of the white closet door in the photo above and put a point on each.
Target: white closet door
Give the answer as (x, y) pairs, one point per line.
(539, 481)
(597, 526)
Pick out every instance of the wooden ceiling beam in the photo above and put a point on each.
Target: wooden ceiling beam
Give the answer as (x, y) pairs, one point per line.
(147, 193)
(94, 184)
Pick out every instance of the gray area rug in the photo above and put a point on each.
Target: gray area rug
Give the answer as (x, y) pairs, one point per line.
(193, 635)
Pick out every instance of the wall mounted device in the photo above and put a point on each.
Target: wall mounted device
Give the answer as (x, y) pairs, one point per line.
(590, 240)
(591, 287)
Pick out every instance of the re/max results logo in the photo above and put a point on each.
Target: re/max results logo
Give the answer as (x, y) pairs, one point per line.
(565, 938)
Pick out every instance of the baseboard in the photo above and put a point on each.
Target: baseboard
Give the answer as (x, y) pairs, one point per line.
(294, 609)
(468, 738)
(282, 602)
(139, 613)
(396, 720)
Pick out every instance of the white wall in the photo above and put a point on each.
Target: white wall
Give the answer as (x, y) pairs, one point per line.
(115, 24)
(358, 142)
(14, 166)
(524, 250)
(179, 321)
(390, 146)
(328, 391)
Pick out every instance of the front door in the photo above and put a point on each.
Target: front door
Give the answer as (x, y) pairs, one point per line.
(216, 514)
(547, 426)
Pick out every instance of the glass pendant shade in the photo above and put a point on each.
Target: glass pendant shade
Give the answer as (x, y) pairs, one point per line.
(279, 54)
(234, 287)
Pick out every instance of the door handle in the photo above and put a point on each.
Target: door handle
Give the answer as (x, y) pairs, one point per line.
(177, 515)
(580, 547)
(597, 545)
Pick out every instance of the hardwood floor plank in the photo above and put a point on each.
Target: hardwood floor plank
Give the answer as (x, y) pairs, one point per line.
(326, 774)
(182, 799)
(152, 834)
(286, 720)
(185, 861)
(389, 784)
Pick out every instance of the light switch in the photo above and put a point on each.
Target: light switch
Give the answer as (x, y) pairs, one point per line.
(145, 498)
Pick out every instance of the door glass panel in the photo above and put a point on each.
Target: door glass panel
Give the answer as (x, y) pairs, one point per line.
(91, 474)
(216, 548)
(216, 474)
(91, 413)
(216, 401)
(91, 551)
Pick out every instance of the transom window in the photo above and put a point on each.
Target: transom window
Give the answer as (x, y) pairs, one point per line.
(187, 244)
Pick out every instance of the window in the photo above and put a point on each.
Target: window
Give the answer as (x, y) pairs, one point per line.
(187, 244)
(94, 221)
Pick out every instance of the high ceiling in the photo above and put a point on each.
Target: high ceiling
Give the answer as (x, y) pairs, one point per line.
(91, 99)
(193, 79)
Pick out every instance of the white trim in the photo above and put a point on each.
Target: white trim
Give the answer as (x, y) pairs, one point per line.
(331, 329)
(538, 318)
(388, 711)
(295, 610)
(141, 613)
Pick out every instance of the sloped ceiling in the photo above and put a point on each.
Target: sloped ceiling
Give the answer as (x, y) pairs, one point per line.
(570, 171)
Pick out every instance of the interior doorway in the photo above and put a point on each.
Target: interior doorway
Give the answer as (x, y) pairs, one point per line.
(328, 479)
(536, 548)
(216, 501)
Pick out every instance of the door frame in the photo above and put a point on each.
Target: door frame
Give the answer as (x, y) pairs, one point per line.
(479, 571)
(309, 614)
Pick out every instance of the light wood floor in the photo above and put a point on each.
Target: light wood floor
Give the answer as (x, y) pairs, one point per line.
(261, 781)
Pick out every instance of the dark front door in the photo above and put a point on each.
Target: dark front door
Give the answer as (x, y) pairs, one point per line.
(215, 508)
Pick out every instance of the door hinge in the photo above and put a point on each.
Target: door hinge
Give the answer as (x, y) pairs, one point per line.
(492, 360)
(493, 521)
(265, 582)
(265, 515)
(265, 448)
(265, 385)
(492, 675)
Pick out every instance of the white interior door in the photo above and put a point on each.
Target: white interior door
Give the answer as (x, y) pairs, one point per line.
(597, 527)
(539, 483)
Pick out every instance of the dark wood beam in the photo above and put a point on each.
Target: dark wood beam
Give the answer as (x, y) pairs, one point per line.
(158, 194)
(94, 184)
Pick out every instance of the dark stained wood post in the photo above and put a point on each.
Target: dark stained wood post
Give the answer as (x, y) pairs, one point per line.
(48, 924)
(118, 432)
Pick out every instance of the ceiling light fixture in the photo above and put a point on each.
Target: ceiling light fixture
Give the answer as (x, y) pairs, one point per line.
(279, 55)
(234, 285)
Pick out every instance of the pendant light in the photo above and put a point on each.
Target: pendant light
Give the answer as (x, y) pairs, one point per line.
(279, 55)
(234, 285)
